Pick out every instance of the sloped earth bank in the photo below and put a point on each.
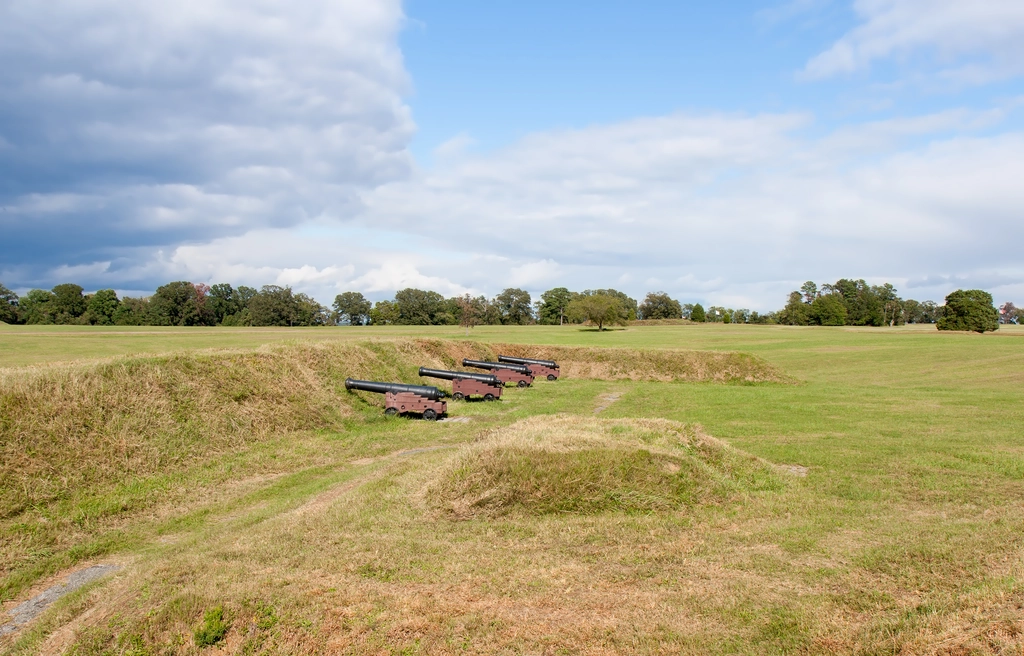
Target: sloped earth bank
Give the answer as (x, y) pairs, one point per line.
(655, 365)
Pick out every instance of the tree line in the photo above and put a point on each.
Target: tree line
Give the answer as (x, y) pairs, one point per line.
(855, 303)
(179, 303)
(182, 303)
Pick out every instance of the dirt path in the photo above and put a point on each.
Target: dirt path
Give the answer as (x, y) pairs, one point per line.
(27, 611)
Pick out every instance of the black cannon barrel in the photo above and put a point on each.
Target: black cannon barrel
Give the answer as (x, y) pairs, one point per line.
(521, 368)
(452, 375)
(425, 391)
(544, 363)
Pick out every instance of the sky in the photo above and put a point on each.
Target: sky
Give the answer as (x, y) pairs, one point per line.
(723, 153)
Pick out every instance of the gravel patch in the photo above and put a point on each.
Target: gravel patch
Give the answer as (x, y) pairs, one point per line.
(27, 611)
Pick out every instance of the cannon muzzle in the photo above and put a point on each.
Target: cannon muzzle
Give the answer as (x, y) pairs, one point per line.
(521, 368)
(456, 375)
(551, 364)
(425, 391)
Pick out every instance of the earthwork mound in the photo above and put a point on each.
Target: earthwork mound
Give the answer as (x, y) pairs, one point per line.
(562, 464)
(651, 364)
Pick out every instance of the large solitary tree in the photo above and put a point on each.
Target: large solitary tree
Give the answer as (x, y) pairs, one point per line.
(969, 310)
(599, 309)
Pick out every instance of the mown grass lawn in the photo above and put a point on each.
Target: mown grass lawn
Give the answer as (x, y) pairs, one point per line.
(903, 535)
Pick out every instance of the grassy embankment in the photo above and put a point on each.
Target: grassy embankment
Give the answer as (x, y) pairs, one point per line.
(583, 533)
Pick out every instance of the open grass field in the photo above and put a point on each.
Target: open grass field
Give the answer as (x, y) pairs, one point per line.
(832, 491)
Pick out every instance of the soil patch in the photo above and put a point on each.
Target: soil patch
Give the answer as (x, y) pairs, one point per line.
(27, 611)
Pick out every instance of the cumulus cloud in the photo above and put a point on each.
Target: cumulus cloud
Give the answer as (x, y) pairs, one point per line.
(129, 124)
(945, 29)
(726, 205)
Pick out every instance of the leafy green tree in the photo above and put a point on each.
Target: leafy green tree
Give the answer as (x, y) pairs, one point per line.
(659, 305)
(36, 307)
(810, 291)
(131, 312)
(697, 313)
(552, 306)
(514, 306)
(491, 312)
(68, 303)
(384, 313)
(741, 315)
(309, 312)
(796, 312)
(8, 305)
(222, 301)
(179, 304)
(828, 310)
(629, 304)
(101, 307)
(274, 305)
(969, 310)
(920, 312)
(245, 294)
(864, 306)
(352, 308)
(417, 307)
(727, 317)
(599, 309)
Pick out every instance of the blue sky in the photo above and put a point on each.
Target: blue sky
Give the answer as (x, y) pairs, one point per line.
(722, 152)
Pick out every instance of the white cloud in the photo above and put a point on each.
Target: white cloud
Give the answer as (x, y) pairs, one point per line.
(726, 206)
(455, 147)
(534, 274)
(142, 124)
(945, 29)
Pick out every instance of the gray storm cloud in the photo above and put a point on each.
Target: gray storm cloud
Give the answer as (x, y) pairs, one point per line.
(128, 124)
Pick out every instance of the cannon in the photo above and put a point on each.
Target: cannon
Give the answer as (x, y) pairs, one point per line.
(466, 383)
(506, 372)
(540, 368)
(402, 398)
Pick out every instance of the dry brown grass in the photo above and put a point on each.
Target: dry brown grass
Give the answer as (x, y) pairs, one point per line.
(654, 365)
(560, 465)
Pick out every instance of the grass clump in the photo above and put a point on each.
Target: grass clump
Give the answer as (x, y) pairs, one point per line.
(558, 465)
(213, 628)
